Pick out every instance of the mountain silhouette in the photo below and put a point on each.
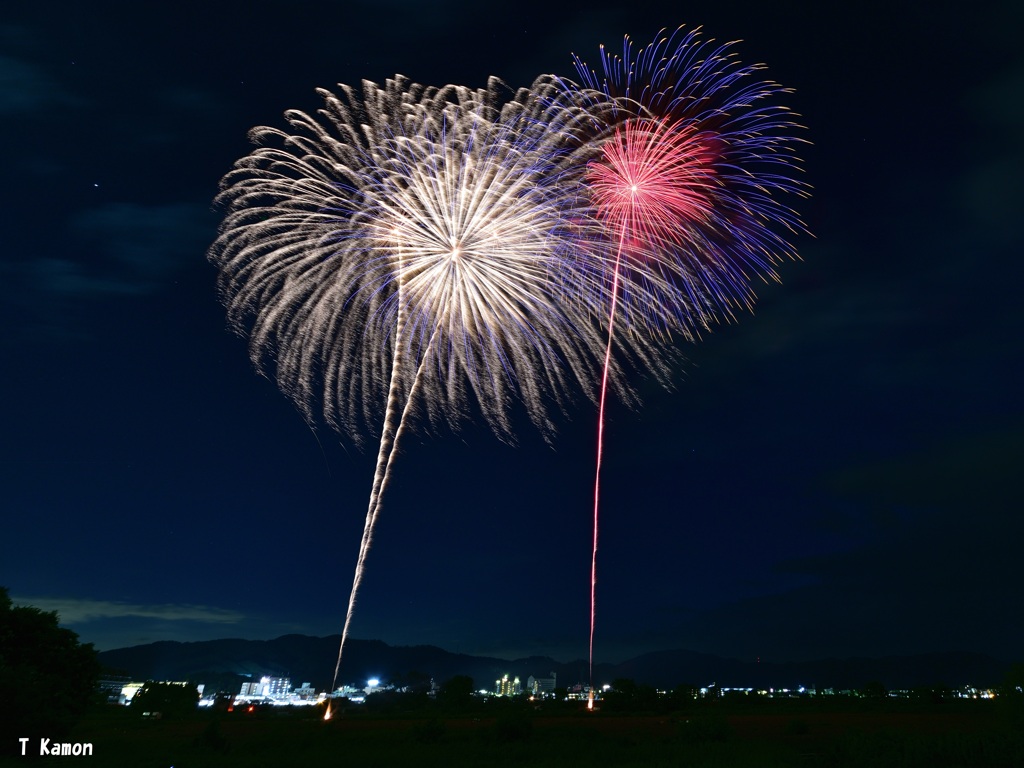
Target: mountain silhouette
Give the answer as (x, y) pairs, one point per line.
(224, 664)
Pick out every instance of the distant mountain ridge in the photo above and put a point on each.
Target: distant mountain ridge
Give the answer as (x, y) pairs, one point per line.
(222, 663)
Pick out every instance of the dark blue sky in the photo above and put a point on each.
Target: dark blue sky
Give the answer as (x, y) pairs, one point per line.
(831, 475)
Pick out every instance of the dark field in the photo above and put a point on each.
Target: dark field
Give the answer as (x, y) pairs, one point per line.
(954, 734)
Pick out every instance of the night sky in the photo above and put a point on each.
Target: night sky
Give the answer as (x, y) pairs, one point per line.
(831, 476)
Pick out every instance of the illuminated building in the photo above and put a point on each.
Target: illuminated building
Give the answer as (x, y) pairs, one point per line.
(111, 688)
(277, 687)
(542, 686)
(506, 687)
(268, 687)
(305, 692)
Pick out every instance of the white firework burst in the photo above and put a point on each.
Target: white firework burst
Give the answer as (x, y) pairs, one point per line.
(405, 249)
(477, 233)
(379, 191)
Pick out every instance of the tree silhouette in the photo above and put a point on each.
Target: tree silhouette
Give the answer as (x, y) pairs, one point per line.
(1011, 696)
(874, 689)
(457, 692)
(169, 699)
(47, 678)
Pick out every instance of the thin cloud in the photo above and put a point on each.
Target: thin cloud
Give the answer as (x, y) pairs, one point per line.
(24, 88)
(136, 248)
(76, 611)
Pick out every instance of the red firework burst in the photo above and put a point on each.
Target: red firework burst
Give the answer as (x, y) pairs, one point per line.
(652, 185)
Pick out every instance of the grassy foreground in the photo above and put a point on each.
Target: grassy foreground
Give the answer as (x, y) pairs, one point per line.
(955, 736)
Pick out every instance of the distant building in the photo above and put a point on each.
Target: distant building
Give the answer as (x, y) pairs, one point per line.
(129, 691)
(277, 687)
(268, 688)
(110, 687)
(542, 686)
(506, 687)
(578, 691)
(305, 692)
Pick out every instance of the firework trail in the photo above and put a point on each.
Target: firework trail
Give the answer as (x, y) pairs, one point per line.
(409, 238)
(692, 157)
(467, 208)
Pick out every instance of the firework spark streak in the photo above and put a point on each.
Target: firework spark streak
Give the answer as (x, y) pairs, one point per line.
(412, 238)
(470, 219)
(693, 160)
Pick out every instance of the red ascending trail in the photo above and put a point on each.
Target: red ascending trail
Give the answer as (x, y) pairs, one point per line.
(651, 177)
(600, 451)
(693, 158)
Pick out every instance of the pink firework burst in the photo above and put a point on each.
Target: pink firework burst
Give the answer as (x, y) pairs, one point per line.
(690, 162)
(652, 185)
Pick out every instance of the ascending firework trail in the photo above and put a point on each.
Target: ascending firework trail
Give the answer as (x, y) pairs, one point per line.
(410, 238)
(691, 158)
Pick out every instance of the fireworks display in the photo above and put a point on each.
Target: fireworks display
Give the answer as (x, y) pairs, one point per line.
(444, 253)
(404, 250)
(694, 160)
